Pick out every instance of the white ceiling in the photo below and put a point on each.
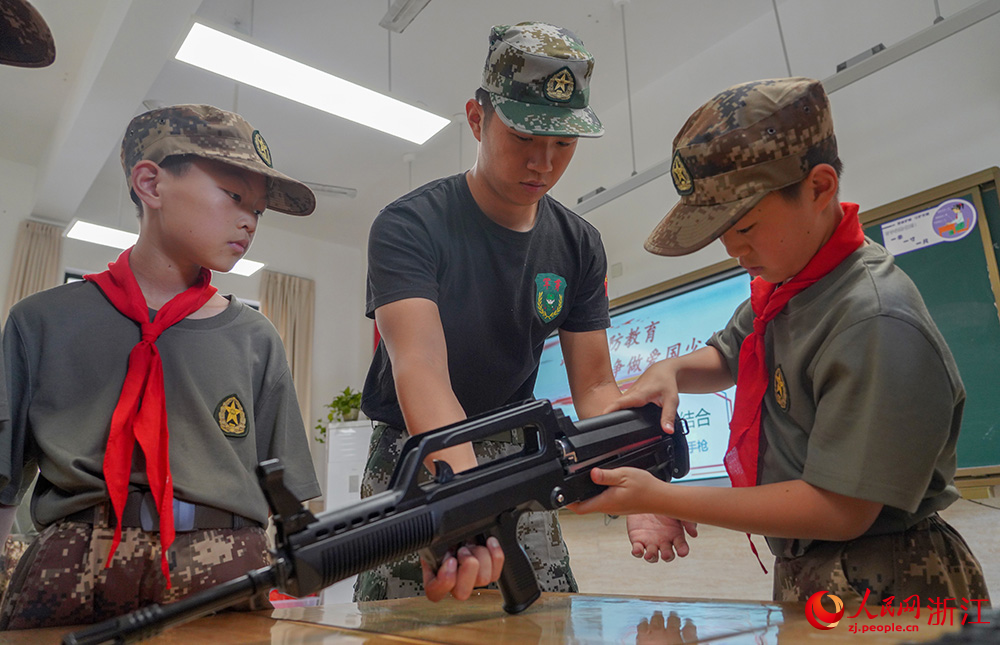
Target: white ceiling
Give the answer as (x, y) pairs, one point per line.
(66, 120)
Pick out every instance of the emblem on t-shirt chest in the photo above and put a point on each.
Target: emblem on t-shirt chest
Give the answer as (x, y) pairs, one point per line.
(550, 290)
(780, 389)
(231, 416)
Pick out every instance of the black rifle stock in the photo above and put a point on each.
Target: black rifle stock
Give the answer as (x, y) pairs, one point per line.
(551, 471)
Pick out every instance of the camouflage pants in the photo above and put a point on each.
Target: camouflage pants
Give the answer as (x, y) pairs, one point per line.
(62, 579)
(538, 532)
(930, 560)
(13, 549)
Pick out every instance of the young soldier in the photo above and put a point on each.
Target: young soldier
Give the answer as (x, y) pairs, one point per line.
(469, 274)
(98, 366)
(836, 361)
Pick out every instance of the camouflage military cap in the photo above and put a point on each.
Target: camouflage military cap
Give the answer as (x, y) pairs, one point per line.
(211, 133)
(749, 140)
(538, 77)
(25, 39)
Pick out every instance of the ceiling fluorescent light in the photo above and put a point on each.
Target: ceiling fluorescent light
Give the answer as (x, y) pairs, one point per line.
(342, 191)
(118, 239)
(103, 235)
(246, 267)
(243, 61)
(401, 14)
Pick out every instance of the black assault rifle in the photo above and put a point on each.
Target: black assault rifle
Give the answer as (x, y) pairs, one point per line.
(551, 471)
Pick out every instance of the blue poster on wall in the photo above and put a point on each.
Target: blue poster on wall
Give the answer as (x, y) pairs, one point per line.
(670, 324)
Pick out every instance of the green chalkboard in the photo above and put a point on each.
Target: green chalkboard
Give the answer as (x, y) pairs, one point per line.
(958, 280)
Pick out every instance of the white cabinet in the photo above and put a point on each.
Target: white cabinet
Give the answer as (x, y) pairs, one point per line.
(347, 451)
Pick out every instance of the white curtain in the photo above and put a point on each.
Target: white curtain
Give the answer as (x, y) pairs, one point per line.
(36, 261)
(288, 302)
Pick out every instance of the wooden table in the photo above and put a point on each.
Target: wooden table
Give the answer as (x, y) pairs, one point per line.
(555, 618)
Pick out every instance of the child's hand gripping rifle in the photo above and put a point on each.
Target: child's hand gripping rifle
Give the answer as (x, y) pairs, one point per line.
(551, 471)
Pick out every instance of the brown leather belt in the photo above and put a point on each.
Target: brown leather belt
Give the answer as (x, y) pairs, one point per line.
(140, 512)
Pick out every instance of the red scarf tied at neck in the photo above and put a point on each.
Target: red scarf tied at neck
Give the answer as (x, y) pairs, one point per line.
(141, 413)
(767, 300)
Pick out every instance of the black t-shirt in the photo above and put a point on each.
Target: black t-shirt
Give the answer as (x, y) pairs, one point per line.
(499, 292)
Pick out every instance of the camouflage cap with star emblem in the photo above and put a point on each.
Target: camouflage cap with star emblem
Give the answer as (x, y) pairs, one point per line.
(208, 132)
(745, 142)
(25, 39)
(538, 77)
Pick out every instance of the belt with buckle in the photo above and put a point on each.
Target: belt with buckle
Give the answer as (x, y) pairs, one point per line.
(140, 512)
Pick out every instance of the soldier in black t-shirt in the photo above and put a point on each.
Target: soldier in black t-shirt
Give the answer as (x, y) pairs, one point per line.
(467, 277)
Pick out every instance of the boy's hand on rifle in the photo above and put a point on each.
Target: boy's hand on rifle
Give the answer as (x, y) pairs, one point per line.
(629, 491)
(474, 566)
(658, 385)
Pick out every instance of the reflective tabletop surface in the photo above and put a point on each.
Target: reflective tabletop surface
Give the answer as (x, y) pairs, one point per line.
(554, 618)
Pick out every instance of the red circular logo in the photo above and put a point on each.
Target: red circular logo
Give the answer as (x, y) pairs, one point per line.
(821, 618)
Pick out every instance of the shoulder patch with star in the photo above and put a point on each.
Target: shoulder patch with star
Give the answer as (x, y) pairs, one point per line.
(231, 417)
(780, 389)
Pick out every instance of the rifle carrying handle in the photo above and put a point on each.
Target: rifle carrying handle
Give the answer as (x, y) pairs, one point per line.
(517, 580)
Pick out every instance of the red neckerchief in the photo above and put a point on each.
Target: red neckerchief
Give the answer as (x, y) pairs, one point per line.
(141, 413)
(767, 301)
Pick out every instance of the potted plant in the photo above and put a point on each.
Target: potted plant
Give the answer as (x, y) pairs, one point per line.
(343, 407)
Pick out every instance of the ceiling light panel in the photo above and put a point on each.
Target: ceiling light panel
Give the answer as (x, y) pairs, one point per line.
(243, 61)
(103, 235)
(401, 14)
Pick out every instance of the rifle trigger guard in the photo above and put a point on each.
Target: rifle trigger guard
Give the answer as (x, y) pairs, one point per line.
(443, 472)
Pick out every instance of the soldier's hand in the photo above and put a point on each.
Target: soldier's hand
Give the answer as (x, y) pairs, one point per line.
(657, 631)
(473, 566)
(657, 537)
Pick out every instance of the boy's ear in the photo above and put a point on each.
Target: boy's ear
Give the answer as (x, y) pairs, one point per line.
(146, 177)
(822, 183)
(474, 115)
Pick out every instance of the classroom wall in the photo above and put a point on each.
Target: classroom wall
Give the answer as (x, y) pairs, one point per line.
(928, 119)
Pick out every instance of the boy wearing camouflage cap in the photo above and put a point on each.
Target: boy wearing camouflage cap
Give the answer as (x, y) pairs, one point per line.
(99, 366)
(836, 361)
(469, 274)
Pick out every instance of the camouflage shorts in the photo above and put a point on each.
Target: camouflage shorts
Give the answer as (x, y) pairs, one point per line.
(538, 532)
(62, 580)
(929, 560)
(13, 549)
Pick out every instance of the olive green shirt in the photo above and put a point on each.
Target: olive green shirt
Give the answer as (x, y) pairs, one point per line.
(229, 398)
(864, 398)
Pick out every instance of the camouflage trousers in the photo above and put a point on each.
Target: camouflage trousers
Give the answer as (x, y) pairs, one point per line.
(929, 560)
(62, 579)
(538, 532)
(13, 549)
